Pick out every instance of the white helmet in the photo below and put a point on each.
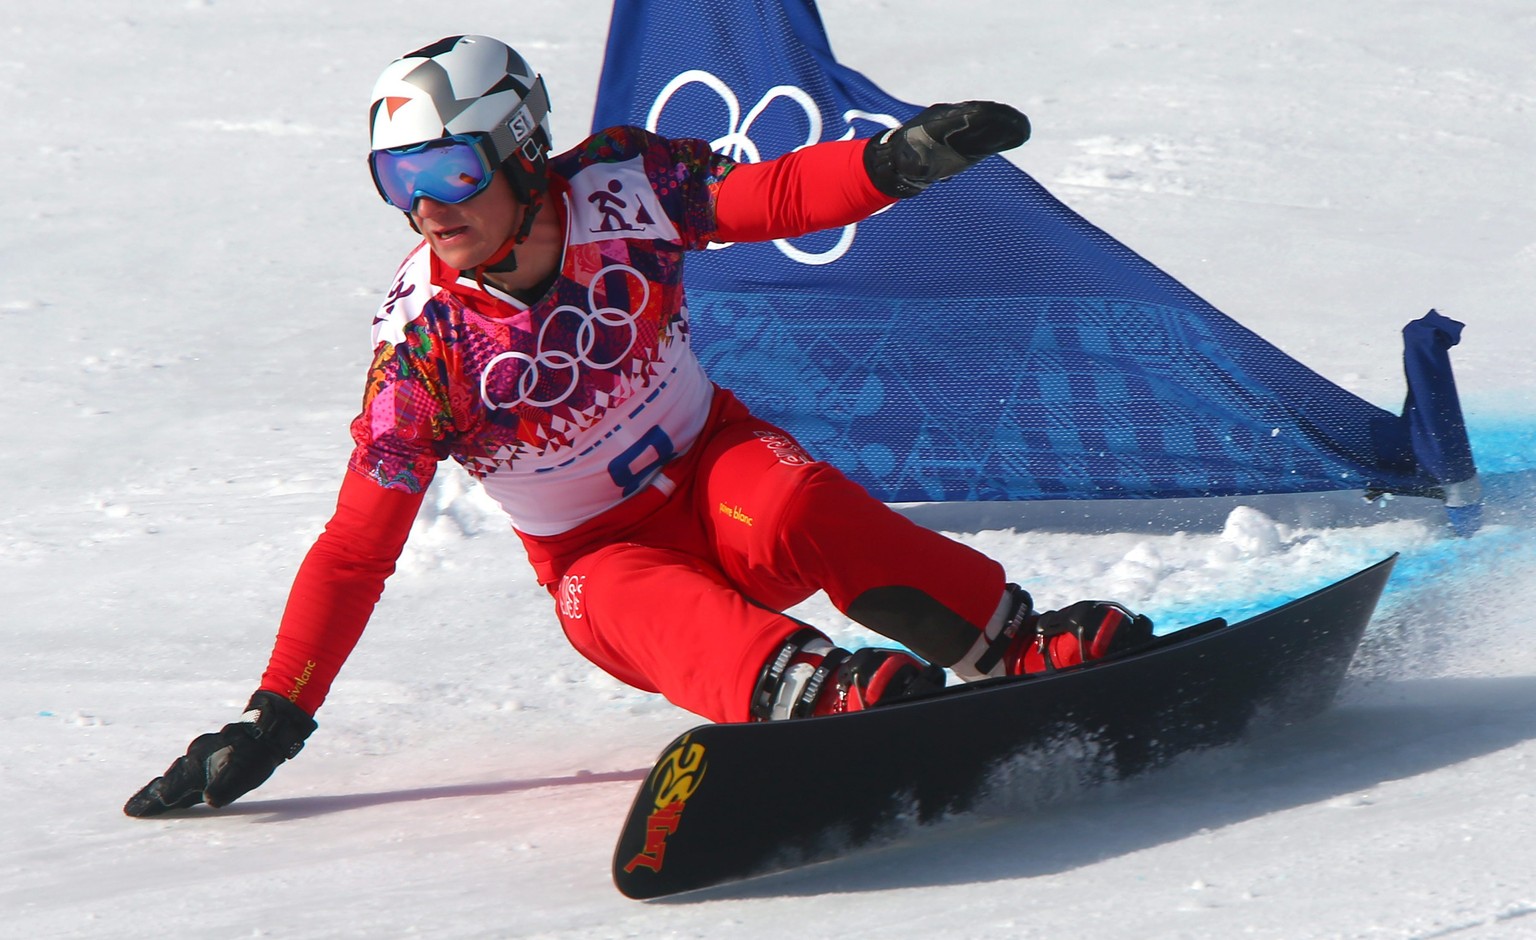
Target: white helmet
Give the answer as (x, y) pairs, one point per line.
(462, 85)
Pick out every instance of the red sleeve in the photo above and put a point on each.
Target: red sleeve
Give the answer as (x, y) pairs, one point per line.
(821, 186)
(336, 588)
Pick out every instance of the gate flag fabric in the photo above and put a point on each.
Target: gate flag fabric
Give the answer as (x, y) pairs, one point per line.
(983, 341)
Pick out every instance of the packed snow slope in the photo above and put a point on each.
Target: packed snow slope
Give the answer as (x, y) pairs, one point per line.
(190, 256)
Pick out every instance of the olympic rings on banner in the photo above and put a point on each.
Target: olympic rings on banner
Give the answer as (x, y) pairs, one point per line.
(737, 142)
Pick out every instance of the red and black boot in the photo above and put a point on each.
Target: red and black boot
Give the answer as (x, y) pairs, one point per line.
(809, 676)
(1021, 641)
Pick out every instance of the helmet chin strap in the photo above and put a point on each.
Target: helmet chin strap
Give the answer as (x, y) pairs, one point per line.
(528, 184)
(504, 259)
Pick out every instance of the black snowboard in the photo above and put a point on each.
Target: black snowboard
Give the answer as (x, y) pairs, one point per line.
(729, 801)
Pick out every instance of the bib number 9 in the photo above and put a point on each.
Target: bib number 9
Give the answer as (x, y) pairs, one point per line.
(634, 468)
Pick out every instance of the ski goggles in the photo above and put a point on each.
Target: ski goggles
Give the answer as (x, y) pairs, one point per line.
(449, 169)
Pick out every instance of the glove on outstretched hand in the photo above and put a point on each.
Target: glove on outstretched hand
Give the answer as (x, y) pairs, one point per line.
(939, 142)
(223, 766)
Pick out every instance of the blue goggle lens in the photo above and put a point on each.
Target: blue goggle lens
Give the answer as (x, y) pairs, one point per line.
(448, 170)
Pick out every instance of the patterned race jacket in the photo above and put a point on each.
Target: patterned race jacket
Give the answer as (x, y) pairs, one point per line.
(563, 408)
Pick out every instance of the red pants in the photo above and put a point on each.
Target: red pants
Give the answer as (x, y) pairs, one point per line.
(681, 592)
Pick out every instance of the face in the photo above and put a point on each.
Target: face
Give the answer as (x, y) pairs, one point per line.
(465, 234)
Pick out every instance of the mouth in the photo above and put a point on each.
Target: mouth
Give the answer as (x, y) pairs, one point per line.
(448, 234)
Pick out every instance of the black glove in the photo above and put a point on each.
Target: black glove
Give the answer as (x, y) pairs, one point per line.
(221, 767)
(939, 142)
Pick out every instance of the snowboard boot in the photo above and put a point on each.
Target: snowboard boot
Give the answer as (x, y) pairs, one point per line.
(809, 676)
(1022, 642)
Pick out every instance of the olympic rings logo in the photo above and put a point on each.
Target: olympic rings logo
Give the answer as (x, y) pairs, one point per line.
(599, 327)
(737, 142)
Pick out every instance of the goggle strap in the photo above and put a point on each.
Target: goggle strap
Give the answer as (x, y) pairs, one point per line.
(516, 132)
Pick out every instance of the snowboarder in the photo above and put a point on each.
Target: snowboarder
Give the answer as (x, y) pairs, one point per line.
(545, 347)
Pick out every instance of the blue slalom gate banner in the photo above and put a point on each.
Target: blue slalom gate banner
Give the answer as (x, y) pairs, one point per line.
(983, 341)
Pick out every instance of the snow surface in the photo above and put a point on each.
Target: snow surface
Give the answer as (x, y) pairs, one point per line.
(190, 254)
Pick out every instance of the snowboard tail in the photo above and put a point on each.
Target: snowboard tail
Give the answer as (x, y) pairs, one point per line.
(730, 801)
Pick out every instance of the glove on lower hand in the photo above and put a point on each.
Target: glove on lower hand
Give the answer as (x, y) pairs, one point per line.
(939, 142)
(223, 766)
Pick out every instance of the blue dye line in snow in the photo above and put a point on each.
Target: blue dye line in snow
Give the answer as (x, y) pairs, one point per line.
(1506, 455)
(1505, 450)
